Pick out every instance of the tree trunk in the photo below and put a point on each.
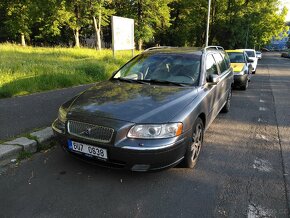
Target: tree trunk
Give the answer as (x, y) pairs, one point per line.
(23, 40)
(98, 32)
(77, 38)
(140, 44)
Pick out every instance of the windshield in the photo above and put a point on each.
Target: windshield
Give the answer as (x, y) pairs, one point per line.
(174, 68)
(237, 57)
(251, 54)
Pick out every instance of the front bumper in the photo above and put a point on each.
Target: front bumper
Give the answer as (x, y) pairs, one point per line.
(135, 158)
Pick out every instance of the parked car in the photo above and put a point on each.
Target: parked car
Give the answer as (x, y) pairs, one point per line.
(265, 49)
(259, 55)
(285, 54)
(242, 67)
(152, 113)
(252, 55)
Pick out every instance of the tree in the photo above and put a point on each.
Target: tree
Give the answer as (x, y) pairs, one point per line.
(150, 17)
(100, 14)
(236, 24)
(20, 18)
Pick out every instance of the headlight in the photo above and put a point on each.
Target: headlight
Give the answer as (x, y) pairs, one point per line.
(155, 131)
(62, 114)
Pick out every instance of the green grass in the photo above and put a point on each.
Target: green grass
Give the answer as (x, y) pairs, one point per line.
(26, 70)
(24, 155)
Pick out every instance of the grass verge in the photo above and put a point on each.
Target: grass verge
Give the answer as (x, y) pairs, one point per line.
(24, 155)
(26, 70)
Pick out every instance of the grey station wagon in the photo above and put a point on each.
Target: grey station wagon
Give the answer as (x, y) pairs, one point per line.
(152, 113)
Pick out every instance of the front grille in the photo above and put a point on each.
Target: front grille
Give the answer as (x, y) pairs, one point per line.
(90, 131)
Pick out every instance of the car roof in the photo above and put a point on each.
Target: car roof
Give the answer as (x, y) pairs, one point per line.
(235, 50)
(173, 50)
(182, 50)
(248, 49)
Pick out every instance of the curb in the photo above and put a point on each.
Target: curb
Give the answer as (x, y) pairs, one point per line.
(10, 150)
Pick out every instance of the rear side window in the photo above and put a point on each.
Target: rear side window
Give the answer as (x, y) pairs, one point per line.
(227, 60)
(220, 59)
(211, 65)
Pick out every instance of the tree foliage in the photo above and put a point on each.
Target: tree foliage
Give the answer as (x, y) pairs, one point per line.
(233, 23)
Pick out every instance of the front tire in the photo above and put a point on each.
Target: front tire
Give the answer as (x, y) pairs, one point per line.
(194, 147)
(245, 85)
(226, 107)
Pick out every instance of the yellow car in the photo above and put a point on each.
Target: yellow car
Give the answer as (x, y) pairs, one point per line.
(242, 68)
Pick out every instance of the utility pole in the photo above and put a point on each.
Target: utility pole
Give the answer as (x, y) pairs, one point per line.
(207, 25)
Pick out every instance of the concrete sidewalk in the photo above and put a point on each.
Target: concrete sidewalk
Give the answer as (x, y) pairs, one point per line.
(24, 114)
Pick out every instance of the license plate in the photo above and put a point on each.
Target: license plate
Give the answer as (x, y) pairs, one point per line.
(88, 149)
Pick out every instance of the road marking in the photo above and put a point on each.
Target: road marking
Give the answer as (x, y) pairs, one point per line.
(262, 109)
(262, 101)
(260, 136)
(262, 165)
(256, 211)
(265, 90)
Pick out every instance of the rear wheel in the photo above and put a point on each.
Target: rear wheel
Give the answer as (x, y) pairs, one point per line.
(193, 149)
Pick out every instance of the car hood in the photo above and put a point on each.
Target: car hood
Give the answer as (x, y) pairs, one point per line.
(138, 103)
(238, 67)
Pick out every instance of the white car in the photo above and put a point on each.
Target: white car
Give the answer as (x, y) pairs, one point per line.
(253, 56)
(259, 55)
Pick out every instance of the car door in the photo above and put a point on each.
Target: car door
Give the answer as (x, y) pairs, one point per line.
(225, 78)
(212, 98)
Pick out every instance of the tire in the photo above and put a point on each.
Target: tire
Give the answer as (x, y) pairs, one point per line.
(193, 149)
(245, 85)
(226, 107)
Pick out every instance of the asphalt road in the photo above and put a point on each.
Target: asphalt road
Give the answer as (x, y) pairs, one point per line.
(242, 170)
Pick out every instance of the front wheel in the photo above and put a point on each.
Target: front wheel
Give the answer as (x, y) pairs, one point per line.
(194, 148)
(245, 85)
(226, 107)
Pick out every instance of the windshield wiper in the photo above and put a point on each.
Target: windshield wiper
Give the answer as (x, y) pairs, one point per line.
(166, 82)
(123, 79)
(132, 80)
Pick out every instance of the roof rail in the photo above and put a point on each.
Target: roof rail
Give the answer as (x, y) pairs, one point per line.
(159, 47)
(214, 47)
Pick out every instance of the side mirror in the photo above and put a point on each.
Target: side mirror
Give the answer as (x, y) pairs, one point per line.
(213, 79)
(250, 67)
(250, 61)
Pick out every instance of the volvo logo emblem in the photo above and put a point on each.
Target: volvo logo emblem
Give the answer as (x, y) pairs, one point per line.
(87, 131)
